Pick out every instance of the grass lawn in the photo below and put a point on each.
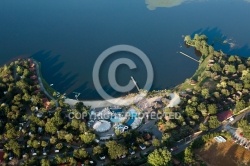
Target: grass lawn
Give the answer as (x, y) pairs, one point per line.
(199, 72)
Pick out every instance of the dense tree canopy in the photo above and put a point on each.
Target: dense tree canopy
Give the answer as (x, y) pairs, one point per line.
(116, 150)
(159, 157)
(188, 156)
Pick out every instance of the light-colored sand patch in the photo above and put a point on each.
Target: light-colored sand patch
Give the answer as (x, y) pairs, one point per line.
(175, 100)
(121, 101)
(125, 101)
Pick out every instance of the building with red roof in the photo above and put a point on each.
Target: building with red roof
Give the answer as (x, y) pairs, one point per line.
(224, 115)
(1, 156)
(33, 77)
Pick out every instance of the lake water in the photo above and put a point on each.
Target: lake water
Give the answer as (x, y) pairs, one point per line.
(68, 36)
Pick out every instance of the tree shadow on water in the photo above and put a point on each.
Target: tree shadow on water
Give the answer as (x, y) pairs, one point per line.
(93, 94)
(219, 41)
(51, 70)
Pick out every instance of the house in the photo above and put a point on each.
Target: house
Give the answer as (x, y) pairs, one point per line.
(234, 75)
(32, 69)
(147, 136)
(211, 60)
(239, 92)
(39, 114)
(224, 115)
(46, 103)
(230, 99)
(86, 162)
(34, 77)
(32, 64)
(176, 162)
(185, 95)
(217, 77)
(37, 91)
(192, 82)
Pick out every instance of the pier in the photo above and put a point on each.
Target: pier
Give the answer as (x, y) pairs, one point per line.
(189, 56)
(132, 78)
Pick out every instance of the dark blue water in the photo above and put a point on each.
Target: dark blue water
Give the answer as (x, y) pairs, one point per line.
(68, 36)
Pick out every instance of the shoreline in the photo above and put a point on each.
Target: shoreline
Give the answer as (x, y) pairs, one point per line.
(121, 101)
(129, 100)
(41, 83)
(118, 101)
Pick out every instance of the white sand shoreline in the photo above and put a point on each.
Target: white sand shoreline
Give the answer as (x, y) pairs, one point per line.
(121, 101)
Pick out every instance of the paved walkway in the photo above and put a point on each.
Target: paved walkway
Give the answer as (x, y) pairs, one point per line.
(41, 83)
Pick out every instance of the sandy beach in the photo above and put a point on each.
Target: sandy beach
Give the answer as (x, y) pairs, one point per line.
(123, 101)
(120, 101)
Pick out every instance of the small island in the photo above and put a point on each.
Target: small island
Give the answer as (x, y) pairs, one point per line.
(212, 106)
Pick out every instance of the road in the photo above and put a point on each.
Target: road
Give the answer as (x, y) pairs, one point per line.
(182, 147)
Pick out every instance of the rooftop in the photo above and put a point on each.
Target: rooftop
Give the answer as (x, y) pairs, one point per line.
(224, 115)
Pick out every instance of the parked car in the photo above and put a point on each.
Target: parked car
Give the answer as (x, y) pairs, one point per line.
(247, 144)
(242, 141)
(233, 138)
(217, 139)
(238, 141)
(231, 119)
(92, 162)
(222, 139)
(123, 156)
(97, 140)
